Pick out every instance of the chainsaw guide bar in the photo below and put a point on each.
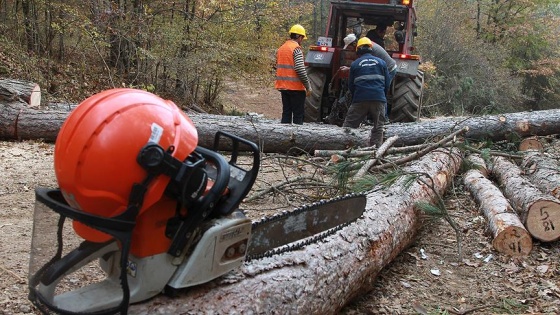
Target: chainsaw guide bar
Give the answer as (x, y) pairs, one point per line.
(292, 230)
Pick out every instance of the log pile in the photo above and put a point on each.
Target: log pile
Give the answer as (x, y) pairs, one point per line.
(509, 235)
(539, 212)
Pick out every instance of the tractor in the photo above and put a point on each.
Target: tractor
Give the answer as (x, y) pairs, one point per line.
(330, 97)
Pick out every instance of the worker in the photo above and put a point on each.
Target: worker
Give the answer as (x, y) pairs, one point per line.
(377, 35)
(369, 82)
(350, 41)
(291, 77)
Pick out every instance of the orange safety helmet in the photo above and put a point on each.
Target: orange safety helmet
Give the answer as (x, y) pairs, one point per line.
(96, 160)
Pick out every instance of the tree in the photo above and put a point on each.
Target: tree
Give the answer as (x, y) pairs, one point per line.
(467, 76)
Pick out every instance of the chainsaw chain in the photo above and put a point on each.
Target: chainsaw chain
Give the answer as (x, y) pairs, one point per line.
(307, 241)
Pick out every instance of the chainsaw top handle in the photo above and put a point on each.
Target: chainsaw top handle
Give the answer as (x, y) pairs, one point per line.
(241, 178)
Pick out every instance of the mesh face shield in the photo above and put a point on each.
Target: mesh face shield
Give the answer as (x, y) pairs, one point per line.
(65, 278)
(68, 275)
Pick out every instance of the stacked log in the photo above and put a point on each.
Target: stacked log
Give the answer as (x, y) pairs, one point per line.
(509, 235)
(539, 212)
(543, 172)
(20, 90)
(322, 277)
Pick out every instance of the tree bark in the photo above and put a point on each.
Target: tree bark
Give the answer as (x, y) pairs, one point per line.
(510, 236)
(19, 90)
(322, 277)
(17, 122)
(543, 172)
(539, 212)
(271, 136)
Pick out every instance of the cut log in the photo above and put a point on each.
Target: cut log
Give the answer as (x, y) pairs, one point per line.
(478, 163)
(543, 172)
(509, 235)
(539, 212)
(531, 143)
(271, 136)
(275, 137)
(322, 277)
(19, 90)
(17, 122)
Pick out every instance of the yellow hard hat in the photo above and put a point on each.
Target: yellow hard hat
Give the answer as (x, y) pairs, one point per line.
(298, 29)
(364, 41)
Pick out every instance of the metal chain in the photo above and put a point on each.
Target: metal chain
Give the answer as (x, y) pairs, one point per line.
(310, 240)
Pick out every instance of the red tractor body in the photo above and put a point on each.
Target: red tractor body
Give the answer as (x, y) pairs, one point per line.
(329, 100)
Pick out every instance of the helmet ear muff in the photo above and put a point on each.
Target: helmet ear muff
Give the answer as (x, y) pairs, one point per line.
(188, 178)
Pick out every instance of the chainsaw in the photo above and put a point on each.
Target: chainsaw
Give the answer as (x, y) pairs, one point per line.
(85, 277)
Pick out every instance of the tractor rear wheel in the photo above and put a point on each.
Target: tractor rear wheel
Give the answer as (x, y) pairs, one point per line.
(313, 110)
(407, 98)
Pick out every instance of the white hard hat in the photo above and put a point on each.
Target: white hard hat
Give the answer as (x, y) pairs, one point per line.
(349, 39)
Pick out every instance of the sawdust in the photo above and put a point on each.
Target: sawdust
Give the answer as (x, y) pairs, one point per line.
(426, 278)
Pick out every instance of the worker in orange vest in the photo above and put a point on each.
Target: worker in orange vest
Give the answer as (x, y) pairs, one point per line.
(291, 77)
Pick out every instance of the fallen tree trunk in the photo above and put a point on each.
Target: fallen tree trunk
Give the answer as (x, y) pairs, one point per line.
(19, 90)
(17, 122)
(322, 277)
(509, 235)
(539, 212)
(271, 136)
(543, 172)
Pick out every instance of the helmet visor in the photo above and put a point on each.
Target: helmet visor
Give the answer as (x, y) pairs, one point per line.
(62, 267)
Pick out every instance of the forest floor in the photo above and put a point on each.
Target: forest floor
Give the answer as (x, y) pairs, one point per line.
(426, 278)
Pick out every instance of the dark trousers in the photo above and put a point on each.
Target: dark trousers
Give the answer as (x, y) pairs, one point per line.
(358, 111)
(293, 103)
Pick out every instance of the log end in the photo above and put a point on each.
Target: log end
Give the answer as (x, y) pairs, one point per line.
(513, 241)
(543, 220)
(35, 97)
(531, 143)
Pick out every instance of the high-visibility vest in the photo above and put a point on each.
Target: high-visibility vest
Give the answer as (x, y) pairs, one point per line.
(286, 75)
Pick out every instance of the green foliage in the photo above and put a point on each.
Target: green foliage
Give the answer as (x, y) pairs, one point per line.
(370, 181)
(510, 306)
(234, 112)
(430, 210)
(489, 56)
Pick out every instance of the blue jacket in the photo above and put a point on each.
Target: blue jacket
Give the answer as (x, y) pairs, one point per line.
(369, 79)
